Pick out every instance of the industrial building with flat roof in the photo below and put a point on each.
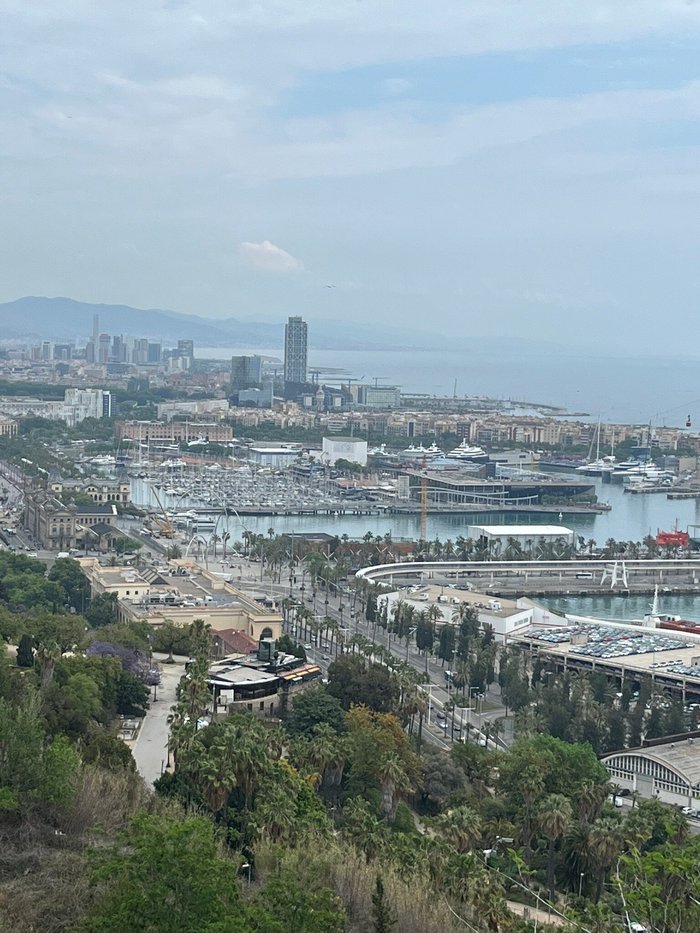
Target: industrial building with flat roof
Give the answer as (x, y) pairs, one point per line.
(505, 616)
(665, 770)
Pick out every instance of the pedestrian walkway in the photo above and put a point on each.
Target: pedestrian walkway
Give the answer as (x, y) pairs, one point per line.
(150, 749)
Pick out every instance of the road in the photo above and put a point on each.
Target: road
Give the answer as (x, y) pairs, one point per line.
(150, 750)
(247, 576)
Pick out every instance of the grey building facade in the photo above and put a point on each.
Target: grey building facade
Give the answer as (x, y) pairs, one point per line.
(295, 351)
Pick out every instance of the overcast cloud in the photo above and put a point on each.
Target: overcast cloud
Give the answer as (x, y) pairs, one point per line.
(528, 168)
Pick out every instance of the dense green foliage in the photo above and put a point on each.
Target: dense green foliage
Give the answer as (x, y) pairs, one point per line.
(342, 817)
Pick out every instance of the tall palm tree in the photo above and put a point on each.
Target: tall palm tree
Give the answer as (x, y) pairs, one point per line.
(48, 654)
(531, 787)
(606, 842)
(590, 801)
(554, 817)
(461, 826)
(182, 732)
(394, 782)
(214, 777)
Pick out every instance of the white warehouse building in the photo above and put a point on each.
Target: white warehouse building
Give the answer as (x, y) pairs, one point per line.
(353, 449)
(505, 616)
(497, 538)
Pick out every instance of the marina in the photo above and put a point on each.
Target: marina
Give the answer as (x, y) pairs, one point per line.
(629, 518)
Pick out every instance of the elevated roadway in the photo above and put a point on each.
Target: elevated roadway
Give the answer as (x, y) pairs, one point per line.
(517, 577)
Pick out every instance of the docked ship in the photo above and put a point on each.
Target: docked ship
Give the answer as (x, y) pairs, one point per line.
(420, 453)
(468, 452)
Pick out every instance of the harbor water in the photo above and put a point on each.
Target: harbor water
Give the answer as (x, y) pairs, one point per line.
(631, 518)
(622, 608)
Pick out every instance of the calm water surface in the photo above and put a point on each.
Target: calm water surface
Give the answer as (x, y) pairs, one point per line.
(626, 390)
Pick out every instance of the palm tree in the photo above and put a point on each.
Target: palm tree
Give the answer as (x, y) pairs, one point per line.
(606, 842)
(422, 705)
(590, 801)
(531, 786)
(214, 777)
(394, 782)
(365, 831)
(47, 655)
(182, 731)
(461, 827)
(274, 817)
(554, 817)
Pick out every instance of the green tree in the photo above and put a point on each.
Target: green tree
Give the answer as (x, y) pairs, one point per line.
(63, 629)
(353, 680)
(606, 842)
(69, 575)
(394, 782)
(554, 817)
(382, 914)
(461, 826)
(315, 707)
(446, 643)
(106, 750)
(33, 771)
(71, 708)
(102, 610)
(168, 876)
(170, 638)
(25, 651)
(131, 695)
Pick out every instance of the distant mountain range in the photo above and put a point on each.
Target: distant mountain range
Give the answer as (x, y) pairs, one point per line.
(37, 318)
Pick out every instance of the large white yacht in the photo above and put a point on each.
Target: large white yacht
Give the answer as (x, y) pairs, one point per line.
(466, 451)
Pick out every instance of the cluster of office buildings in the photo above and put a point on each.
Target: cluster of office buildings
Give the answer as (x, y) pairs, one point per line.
(256, 384)
(77, 405)
(106, 349)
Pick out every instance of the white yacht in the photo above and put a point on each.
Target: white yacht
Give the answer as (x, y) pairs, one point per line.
(466, 451)
(103, 460)
(421, 453)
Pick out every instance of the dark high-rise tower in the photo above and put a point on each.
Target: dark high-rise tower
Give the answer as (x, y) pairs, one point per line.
(295, 345)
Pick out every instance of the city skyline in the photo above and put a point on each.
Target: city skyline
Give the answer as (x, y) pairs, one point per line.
(526, 169)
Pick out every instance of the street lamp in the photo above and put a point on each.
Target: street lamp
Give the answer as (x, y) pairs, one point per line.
(246, 866)
(580, 882)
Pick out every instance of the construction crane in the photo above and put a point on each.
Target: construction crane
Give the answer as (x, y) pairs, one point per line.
(165, 524)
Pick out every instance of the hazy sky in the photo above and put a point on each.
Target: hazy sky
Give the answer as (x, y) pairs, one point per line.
(488, 166)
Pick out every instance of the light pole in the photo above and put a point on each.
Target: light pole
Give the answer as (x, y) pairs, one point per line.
(469, 709)
(580, 882)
